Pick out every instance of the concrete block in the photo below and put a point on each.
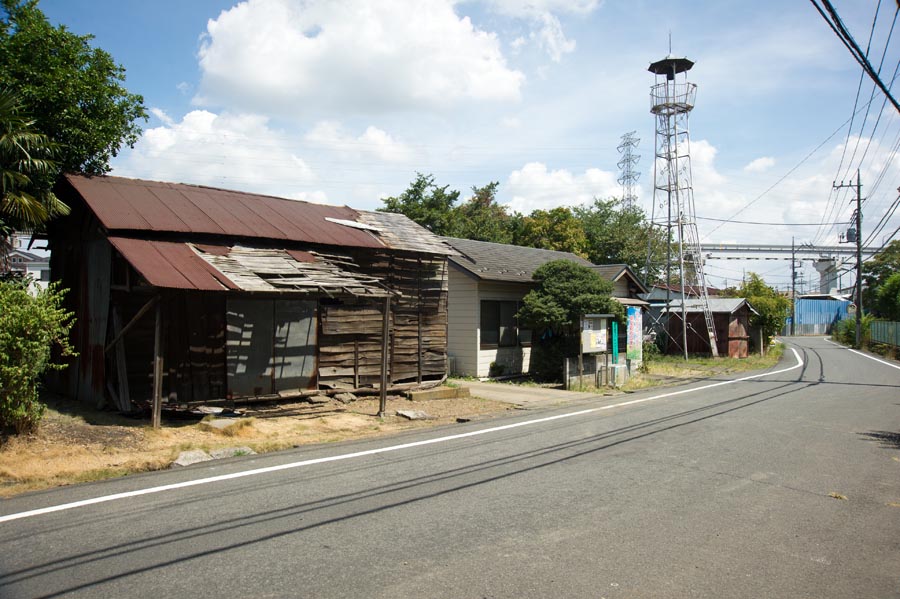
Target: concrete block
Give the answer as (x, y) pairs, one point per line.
(415, 415)
(230, 452)
(439, 393)
(194, 456)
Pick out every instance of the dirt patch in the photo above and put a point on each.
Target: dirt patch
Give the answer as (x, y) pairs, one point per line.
(76, 443)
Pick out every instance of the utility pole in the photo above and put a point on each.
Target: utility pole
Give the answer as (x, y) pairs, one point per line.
(857, 237)
(793, 289)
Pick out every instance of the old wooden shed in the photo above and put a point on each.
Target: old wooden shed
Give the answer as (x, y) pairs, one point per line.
(236, 295)
(731, 317)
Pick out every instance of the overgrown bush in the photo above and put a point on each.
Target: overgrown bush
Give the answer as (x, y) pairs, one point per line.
(30, 328)
(845, 330)
(650, 351)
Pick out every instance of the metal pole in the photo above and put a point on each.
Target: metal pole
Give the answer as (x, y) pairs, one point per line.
(683, 296)
(580, 354)
(385, 341)
(156, 418)
(859, 218)
(793, 289)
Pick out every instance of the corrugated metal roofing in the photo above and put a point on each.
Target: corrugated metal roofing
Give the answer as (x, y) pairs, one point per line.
(135, 205)
(211, 267)
(503, 262)
(171, 265)
(716, 304)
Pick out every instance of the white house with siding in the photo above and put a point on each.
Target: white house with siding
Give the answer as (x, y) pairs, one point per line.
(487, 282)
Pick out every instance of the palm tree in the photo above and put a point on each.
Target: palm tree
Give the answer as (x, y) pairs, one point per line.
(27, 171)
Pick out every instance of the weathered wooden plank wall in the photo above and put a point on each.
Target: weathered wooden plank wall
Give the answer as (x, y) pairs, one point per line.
(350, 341)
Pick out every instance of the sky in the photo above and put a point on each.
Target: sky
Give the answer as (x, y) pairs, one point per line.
(344, 101)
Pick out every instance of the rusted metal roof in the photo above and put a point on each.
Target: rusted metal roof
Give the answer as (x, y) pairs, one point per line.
(171, 265)
(136, 205)
(212, 267)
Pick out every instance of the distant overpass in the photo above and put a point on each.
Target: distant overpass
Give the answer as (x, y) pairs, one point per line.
(827, 258)
(750, 251)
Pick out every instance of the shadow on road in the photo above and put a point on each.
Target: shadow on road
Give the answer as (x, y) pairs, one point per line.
(289, 520)
(887, 439)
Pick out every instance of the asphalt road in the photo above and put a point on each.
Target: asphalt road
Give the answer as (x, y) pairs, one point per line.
(786, 485)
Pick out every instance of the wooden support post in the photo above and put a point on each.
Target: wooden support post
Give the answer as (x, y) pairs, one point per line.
(157, 368)
(419, 320)
(385, 357)
(356, 363)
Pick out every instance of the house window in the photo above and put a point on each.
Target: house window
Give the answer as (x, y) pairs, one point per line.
(499, 326)
(45, 275)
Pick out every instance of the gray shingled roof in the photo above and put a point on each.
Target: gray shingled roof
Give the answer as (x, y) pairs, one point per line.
(502, 262)
(612, 272)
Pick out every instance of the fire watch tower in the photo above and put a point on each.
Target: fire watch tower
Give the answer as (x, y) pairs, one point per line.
(672, 99)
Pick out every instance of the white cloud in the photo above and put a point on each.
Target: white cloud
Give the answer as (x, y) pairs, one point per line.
(161, 115)
(373, 143)
(511, 122)
(289, 56)
(530, 7)
(548, 32)
(760, 165)
(551, 38)
(534, 187)
(233, 151)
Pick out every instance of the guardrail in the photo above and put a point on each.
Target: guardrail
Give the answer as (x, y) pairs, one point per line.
(884, 331)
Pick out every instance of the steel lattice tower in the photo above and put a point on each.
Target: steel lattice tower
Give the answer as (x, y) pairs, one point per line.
(626, 166)
(672, 99)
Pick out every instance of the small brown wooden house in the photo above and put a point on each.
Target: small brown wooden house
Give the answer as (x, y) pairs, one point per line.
(241, 295)
(732, 321)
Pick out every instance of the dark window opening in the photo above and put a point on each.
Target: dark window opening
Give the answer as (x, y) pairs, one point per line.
(500, 327)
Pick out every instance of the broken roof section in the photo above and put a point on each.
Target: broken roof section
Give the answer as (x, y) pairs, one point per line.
(134, 205)
(221, 267)
(179, 236)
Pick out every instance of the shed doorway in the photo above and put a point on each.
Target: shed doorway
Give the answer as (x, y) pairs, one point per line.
(271, 346)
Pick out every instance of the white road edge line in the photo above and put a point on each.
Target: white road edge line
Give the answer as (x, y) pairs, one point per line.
(357, 454)
(828, 339)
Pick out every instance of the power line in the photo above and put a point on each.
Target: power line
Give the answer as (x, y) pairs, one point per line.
(750, 222)
(841, 31)
(781, 179)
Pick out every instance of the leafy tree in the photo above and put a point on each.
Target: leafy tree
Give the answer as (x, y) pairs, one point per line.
(74, 92)
(619, 234)
(30, 327)
(481, 218)
(555, 229)
(772, 307)
(25, 160)
(425, 203)
(887, 298)
(876, 271)
(565, 292)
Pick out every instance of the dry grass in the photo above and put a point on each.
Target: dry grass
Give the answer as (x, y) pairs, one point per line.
(77, 444)
(668, 370)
